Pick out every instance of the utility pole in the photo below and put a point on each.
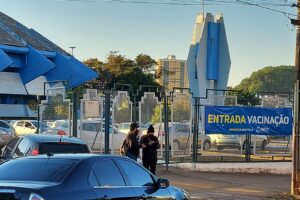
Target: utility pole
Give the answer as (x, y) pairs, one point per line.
(295, 186)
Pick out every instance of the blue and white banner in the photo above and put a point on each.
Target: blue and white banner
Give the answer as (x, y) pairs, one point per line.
(248, 120)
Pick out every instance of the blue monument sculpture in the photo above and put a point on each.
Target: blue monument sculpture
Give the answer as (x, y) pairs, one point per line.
(28, 60)
(209, 59)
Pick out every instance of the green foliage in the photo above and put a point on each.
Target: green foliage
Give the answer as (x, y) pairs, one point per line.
(122, 111)
(269, 79)
(119, 69)
(182, 109)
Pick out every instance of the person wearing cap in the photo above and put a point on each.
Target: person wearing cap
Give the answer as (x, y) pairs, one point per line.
(132, 141)
(150, 145)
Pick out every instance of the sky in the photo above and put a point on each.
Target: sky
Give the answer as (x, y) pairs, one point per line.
(257, 37)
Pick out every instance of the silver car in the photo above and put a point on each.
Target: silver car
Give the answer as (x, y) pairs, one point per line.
(7, 133)
(182, 136)
(238, 141)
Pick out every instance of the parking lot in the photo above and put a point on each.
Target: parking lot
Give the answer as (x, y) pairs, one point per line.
(215, 186)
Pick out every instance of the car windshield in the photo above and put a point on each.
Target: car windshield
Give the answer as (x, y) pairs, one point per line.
(62, 147)
(63, 125)
(42, 124)
(50, 170)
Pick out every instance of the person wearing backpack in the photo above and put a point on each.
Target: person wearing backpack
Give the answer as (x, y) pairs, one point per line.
(150, 145)
(131, 146)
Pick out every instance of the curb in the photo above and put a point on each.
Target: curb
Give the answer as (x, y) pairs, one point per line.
(279, 168)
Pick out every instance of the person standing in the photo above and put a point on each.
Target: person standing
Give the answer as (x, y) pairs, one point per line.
(132, 142)
(150, 145)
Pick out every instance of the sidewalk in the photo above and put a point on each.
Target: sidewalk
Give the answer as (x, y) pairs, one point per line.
(252, 168)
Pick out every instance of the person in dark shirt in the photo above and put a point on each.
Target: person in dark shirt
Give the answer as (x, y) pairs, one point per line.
(150, 145)
(132, 141)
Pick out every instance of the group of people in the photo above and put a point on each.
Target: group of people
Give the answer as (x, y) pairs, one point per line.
(149, 144)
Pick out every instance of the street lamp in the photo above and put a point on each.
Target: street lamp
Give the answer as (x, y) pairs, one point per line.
(113, 52)
(73, 47)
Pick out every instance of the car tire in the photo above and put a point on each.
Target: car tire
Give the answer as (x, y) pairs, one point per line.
(264, 145)
(176, 145)
(206, 145)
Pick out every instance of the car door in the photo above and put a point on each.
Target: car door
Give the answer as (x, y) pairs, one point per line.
(142, 181)
(29, 127)
(92, 134)
(19, 127)
(107, 181)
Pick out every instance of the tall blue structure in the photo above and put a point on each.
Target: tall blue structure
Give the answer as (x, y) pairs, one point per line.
(209, 59)
(27, 61)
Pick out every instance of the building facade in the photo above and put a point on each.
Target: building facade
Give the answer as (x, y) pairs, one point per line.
(29, 62)
(173, 73)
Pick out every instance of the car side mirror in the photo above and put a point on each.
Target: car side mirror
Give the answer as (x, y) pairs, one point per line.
(163, 183)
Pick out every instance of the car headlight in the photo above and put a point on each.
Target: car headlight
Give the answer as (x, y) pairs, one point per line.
(186, 194)
(34, 196)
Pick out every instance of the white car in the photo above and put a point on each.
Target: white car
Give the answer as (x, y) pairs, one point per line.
(28, 127)
(91, 133)
(123, 127)
(181, 135)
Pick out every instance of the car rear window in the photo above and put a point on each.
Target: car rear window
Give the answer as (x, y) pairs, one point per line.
(50, 170)
(62, 147)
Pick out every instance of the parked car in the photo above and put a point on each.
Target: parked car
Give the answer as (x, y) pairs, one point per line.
(36, 144)
(57, 123)
(90, 125)
(123, 127)
(91, 133)
(82, 176)
(28, 126)
(181, 136)
(238, 141)
(7, 133)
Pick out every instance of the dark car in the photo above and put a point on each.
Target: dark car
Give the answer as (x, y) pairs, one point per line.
(35, 144)
(82, 176)
(7, 133)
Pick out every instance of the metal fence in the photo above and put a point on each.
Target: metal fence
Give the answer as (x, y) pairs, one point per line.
(178, 119)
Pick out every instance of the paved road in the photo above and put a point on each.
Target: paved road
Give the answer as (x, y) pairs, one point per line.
(213, 186)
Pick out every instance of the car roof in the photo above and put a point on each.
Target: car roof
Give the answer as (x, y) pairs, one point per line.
(40, 138)
(80, 156)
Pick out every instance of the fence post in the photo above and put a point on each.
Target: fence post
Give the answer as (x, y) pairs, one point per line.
(247, 148)
(38, 113)
(107, 120)
(166, 126)
(74, 118)
(195, 132)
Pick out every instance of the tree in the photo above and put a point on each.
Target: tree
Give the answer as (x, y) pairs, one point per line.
(269, 79)
(119, 69)
(103, 75)
(145, 62)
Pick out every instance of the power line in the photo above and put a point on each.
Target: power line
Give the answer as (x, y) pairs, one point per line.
(264, 7)
(264, 4)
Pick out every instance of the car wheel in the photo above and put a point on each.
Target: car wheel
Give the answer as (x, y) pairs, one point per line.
(176, 145)
(206, 145)
(264, 145)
